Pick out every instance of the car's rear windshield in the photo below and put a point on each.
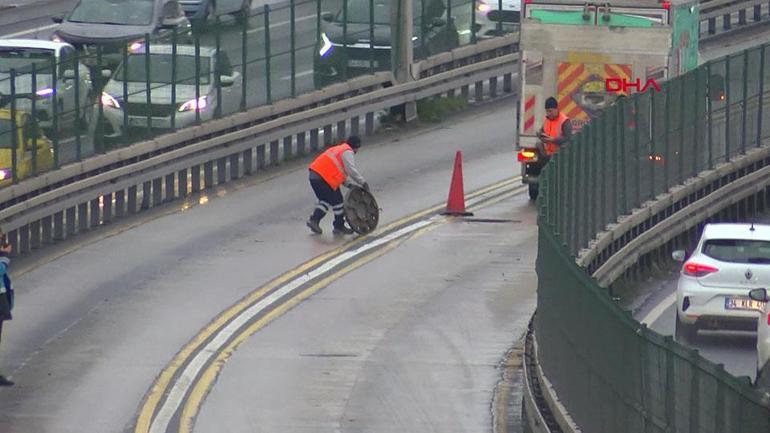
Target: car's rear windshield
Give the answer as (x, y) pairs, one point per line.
(121, 12)
(738, 250)
(161, 66)
(22, 59)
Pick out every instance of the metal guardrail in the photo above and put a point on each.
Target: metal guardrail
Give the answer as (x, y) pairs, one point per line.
(130, 180)
(732, 14)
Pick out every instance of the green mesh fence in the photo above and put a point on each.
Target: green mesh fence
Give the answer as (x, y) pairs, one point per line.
(613, 374)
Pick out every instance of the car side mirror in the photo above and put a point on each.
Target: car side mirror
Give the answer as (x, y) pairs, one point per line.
(226, 80)
(679, 256)
(758, 295)
(58, 19)
(69, 74)
(438, 22)
(327, 16)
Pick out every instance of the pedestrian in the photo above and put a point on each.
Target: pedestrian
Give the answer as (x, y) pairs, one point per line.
(556, 129)
(6, 294)
(334, 167)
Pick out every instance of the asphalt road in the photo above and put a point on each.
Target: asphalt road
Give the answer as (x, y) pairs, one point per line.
(408, 340)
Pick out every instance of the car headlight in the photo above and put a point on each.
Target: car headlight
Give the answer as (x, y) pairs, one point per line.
(45, 93)
(5, 173)
(136, 47)
(326, 45)
(109, 100)
(200, 104)
(483, 7)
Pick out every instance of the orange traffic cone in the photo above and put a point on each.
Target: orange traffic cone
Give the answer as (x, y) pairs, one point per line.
(455, 204)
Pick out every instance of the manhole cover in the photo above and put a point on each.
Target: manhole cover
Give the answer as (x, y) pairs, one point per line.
(361, 210)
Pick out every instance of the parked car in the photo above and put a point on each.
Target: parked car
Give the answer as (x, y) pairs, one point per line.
(432, 34)
(21, 55)
(115, 24)
(165, 99)
(713, 290)
(27, 133)
(203, 10)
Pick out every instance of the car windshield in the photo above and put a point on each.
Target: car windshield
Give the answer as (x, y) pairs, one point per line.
(738, 250)
(121, 12)
(22, 59)
(358, 11)
(161, 67)
(6, 136)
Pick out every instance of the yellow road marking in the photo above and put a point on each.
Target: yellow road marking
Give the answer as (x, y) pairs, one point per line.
(158, 389)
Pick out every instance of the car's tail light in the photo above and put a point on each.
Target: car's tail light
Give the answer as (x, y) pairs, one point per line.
(697, 270)
(526, 155)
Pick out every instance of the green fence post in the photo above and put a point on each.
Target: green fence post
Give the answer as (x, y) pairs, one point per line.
(245, 59)
(268, 90)
(99, 130)
(147, 83)
(371, 34)
(697, 118)
(682, 101)
(55, 112)
(448, 12)
(601, 171)
(499, 16)
(652, 146)
(637, 154)
(124, 131)
(292, 12)
(345, 40)
(473, 21)
(14, 130)
(587, 184)
(761, 94)
(573, 214)
(621, 154)
(33, 112)
(727, 108)
(745, 99)
(710, 118)
(78, 143)
(218, 69)
(174, 74)
(197, 78)
(666, 134)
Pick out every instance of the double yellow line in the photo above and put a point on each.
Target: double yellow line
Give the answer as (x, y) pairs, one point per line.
(193, 401)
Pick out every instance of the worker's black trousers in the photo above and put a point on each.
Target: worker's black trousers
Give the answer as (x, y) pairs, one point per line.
(328, 199)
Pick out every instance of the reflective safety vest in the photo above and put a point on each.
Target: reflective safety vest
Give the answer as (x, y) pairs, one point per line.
(329, 165)
(552, 128)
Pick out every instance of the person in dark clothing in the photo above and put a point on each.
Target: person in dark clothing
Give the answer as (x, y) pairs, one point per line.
(6, 295)
(334, 167)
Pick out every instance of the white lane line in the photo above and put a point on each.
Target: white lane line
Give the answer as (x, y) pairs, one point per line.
(298, 74)
(281, 23)
(658, 311)
(24, 32)
(185, 381)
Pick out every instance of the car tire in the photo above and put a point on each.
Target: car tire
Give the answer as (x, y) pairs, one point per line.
(684, 332)
(533, 191)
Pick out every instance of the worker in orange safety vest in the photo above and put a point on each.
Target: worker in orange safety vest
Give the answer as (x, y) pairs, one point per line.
(556, 129)
(334, 167)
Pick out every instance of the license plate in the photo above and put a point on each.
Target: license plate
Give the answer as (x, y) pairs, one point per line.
(740, 303)
(361, 63)
(142, 121)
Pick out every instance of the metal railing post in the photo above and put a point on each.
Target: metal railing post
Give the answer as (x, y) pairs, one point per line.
(727, 109)
(745, 99)
(147, 84)
(55, 112)
(371, 36)
(473, 21)
(344, 40)
(33, 112)
(14, 130)
(245, 61)
(124, 131)
(197, 78)
(268, 89)
(218, 68)
(78, 143)
(174, 74)
(761, 94)
(710, 117)
(99, 130)
(292, 11)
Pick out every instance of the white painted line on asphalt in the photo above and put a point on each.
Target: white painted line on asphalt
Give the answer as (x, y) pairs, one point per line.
(298, 74)
(24, 32)
(185, 381)
(281, 23)
(658, 311)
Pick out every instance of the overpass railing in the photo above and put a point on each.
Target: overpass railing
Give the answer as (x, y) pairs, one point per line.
(635, 182)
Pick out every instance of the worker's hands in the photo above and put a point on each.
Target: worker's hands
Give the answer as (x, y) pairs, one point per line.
(366, 186)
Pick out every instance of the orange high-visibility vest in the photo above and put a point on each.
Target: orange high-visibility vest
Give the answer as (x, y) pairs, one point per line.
(329, 165)
(552, 128)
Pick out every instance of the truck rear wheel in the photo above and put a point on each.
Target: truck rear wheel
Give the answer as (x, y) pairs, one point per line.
(533, 190)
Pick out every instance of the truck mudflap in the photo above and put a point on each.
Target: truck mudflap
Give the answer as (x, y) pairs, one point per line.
(361, 211)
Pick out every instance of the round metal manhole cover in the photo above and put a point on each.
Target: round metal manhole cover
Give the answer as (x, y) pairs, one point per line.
(361, 211)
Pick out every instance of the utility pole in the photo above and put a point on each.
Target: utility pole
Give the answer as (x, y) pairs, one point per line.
(402, 54)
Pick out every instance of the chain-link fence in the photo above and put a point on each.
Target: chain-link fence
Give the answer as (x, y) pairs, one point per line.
(611, 372)
(59, 104)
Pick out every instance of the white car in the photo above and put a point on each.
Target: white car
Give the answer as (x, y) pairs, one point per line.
(20, 55)
(490, 13)
(713, 291)
(165, 100)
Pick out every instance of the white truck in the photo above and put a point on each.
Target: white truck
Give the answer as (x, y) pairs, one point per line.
(587, 54)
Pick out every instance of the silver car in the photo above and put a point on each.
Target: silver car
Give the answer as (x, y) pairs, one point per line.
(68, 88)
(125, 95)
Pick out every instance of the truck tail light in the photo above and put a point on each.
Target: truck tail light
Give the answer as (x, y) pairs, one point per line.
(526, 155)
(697, 270)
